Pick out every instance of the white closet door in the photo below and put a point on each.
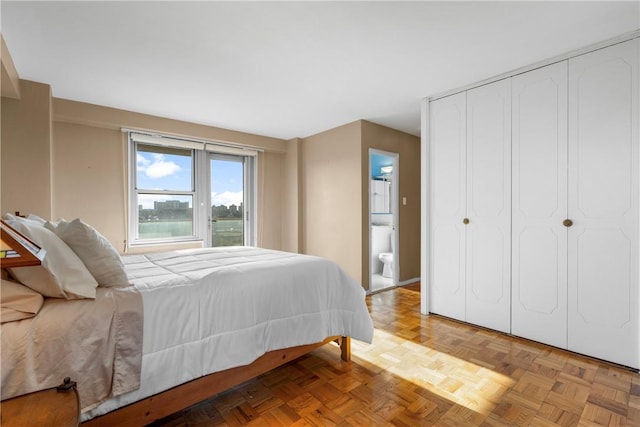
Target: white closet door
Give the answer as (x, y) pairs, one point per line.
(539, 239)
(603, 203)
(489, 205)
(447, 174)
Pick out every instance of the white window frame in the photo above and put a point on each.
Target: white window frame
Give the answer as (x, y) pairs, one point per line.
(200, 176)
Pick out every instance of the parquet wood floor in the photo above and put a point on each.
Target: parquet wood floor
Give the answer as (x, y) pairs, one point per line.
(424, 371)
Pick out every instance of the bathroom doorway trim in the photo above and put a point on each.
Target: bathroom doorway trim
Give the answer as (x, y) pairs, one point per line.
(395, 204)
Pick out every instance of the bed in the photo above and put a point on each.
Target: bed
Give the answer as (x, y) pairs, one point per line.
(188, 325)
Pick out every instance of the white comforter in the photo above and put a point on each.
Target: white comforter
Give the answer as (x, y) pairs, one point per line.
(206, 310)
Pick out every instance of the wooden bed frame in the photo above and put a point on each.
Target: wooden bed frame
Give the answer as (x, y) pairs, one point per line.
(182, 396)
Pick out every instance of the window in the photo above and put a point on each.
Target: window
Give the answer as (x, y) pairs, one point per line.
(227, 200)
(189, 190)
(165, 192)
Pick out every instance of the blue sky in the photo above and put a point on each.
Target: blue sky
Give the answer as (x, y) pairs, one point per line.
(226, 182)
(163, 171)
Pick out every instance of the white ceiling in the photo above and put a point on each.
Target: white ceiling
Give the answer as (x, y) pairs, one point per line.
(291, 69)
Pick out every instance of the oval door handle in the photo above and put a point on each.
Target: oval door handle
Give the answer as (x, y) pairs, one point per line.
(465, 221)
(567, 223)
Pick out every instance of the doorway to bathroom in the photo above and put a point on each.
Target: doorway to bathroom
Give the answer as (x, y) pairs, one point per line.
(383, 220)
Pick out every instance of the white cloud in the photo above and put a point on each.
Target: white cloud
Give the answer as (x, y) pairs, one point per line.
(143, 162)
(226, 198)
(159, 168)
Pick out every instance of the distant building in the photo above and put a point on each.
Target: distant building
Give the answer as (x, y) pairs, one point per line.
(170, 204)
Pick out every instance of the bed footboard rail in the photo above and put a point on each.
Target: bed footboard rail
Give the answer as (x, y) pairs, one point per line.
(182, 396)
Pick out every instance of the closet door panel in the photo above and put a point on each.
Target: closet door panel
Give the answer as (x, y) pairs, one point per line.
(447, 173)
(603, 204)
(539, 144)
(487, 269)
(488, 205)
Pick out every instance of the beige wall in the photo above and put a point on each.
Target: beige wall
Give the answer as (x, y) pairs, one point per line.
(270, 200)
(408, 149)
(292, 197)
(66, 159)
(332, 204)
(26, 151)
(113, 118)
(89, 167)
(10, 81)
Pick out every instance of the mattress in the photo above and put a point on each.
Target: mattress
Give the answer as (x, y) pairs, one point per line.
(207, 310)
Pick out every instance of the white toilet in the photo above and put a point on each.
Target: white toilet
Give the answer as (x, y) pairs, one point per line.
(387, 264)
(382, 248)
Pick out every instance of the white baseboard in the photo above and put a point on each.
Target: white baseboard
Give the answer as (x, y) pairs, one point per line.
(409, 282)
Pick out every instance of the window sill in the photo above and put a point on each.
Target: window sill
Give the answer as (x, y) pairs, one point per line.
(139, 248)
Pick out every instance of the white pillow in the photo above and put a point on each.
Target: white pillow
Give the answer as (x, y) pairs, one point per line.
(30, 220)
(18, 302)
(62, 274)
(8, 217)
(36, 218)
(95, 251)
